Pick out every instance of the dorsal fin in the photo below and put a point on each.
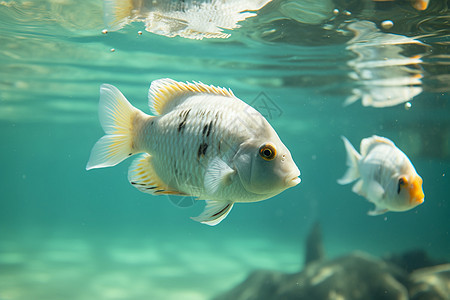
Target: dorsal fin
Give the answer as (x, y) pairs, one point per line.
(368, 143)
(163, 91)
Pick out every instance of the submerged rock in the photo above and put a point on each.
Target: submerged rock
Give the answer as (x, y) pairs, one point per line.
(412, 260)
(357, 276)
(430, 283)
(259, 285)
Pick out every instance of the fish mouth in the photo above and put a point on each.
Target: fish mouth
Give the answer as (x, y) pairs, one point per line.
(292, 181)
(417, 200)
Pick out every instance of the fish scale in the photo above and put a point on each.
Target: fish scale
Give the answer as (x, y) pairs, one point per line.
(166, 138)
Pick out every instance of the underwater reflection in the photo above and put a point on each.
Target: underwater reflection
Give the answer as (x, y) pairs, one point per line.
(384, 75)
(188, 19)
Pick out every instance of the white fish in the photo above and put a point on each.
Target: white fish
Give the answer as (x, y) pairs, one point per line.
(194, 19)
(386, 176)
(202, 142)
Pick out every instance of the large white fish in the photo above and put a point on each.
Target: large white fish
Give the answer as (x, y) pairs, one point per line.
(386, 176)
(202, 142)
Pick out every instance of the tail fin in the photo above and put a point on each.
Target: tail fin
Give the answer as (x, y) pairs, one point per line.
(352, 163)
(117, 13)
(116, 116)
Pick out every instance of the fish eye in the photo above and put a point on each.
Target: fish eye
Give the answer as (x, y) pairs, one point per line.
(402, 181)
(267, 151)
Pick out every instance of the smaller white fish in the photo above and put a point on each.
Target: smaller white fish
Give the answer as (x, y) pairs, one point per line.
(386, 176)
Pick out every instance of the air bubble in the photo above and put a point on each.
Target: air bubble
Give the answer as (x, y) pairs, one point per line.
(387, 24)
(408, 105)
(105, 31)
(139, 32)
(112, 50)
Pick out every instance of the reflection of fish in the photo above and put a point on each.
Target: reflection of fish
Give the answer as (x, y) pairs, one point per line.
(189, 19)
(202, 142)
(417, 4)
(383, 75)
(386, 175)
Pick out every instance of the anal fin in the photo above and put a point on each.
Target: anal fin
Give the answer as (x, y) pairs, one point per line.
(215, 212)
(143, 176)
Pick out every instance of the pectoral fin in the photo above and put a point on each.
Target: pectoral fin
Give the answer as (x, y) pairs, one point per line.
(358, 188)
(375, 192)
(214, 213)
(372, 190)
(218, 173)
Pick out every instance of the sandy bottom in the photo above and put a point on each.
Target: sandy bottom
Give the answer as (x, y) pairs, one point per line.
(81, 269)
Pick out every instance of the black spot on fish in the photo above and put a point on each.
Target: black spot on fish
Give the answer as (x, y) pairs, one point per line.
(202, 149)
(182, 6)
(209, 129)
(205, 129)
(129, 154)
(133, 182)
(184, 114)
(221, 211)
(151, 188)
(181, 126)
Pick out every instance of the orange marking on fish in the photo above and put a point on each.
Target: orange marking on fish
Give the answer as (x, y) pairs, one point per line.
(416, 195)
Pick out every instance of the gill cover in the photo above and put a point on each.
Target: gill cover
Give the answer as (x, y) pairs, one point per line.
(264, 167)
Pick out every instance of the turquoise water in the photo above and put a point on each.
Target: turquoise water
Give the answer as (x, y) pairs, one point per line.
(66, 233)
